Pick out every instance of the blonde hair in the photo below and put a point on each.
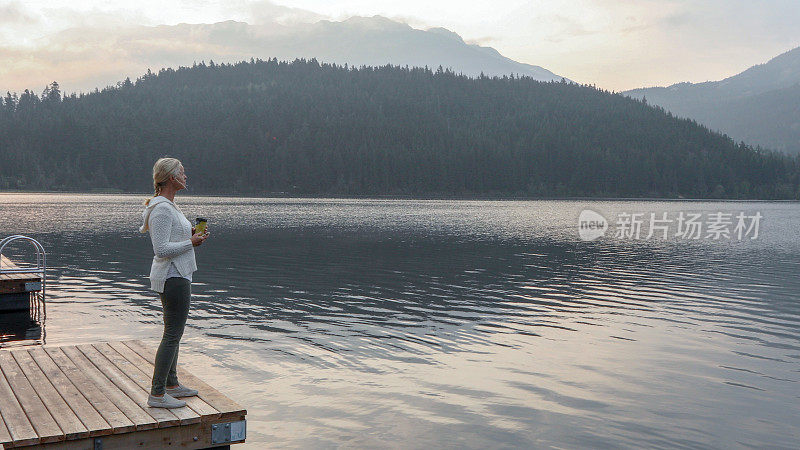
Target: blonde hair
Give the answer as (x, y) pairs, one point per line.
(162, 170)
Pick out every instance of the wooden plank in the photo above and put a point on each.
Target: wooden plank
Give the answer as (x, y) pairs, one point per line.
(112, 414)
(46, 427)
(85, 412)
(187, 437)
(140, 418)
(71, 426)
(14, 417)
(27, 276)
(210, 395)
(5, 436)
(206, 411)
(9, 264)
(164, 416)
(186, 415)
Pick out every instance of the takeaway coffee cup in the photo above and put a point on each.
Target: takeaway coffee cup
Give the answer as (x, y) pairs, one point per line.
(200, 227)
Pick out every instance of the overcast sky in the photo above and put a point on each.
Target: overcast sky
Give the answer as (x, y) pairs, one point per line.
(616, 44)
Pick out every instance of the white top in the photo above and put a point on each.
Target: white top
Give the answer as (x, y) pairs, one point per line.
(170, 233)
(173, 272)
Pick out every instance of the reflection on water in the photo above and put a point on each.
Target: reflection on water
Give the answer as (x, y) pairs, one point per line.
(25, 325)
(450, 323)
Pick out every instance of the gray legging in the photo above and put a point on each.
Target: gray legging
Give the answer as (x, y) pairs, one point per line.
(175, 300)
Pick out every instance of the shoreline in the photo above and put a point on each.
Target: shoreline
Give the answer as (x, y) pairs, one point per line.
(278, 195)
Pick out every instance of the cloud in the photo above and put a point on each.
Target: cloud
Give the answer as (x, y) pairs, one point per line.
(15, 13)
(564, 27)
(624, 44)
(83, 58)
(16, 20)
(66, 18)
(264, 12)
(482, 40)
(617, 44)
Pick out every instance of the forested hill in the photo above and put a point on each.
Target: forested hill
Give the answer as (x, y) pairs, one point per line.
(308, 129)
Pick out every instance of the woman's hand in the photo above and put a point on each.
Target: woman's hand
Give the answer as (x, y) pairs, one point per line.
(198, 239)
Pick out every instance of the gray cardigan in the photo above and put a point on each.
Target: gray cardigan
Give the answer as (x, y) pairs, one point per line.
(170, 233)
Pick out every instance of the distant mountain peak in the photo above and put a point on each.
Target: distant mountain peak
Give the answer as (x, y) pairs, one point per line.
(445, 32)
(375, 22)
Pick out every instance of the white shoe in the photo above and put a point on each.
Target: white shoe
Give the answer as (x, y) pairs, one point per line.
(182, 391)
(167, 401)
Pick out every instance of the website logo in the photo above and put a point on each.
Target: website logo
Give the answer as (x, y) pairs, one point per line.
(591, 225)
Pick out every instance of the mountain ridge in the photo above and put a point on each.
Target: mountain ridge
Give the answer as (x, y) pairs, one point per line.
(757, 105)
(128, 51)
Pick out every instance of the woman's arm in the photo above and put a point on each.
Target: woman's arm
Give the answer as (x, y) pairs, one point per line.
(160, 227)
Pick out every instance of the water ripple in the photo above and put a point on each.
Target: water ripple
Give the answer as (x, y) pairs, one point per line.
(450, 323)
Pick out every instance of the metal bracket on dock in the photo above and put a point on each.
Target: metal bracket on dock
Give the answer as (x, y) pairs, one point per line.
(223, 433)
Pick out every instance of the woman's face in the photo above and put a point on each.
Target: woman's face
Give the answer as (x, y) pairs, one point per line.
(180, 179)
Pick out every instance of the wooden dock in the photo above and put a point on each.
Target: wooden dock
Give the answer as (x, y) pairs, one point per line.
(94, 396)
(15, 282)
(16, 288)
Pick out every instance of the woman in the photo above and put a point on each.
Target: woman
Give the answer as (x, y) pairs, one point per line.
(173, 240)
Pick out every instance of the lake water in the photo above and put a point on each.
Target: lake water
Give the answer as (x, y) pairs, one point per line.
(450, 324)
